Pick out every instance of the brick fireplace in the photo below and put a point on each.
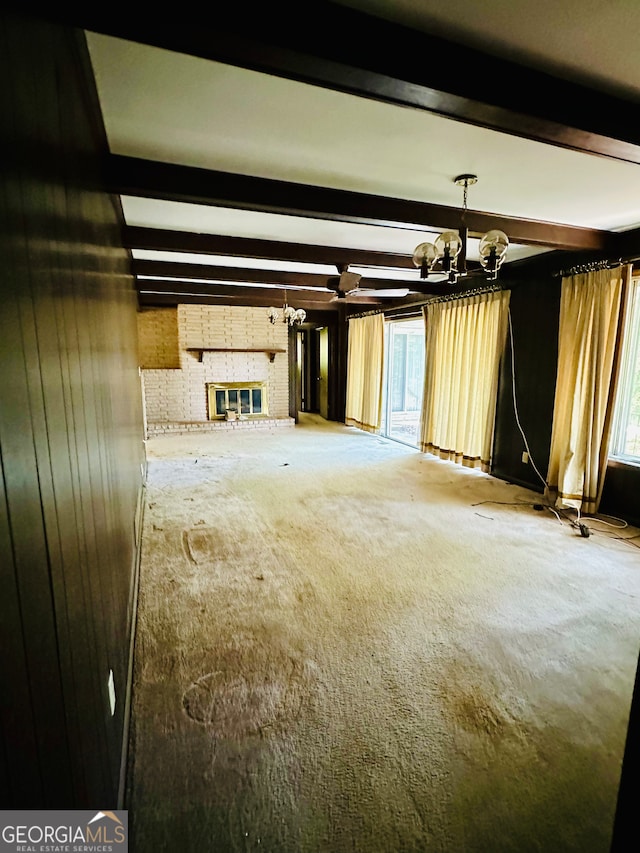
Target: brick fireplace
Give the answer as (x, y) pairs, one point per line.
(198, 361)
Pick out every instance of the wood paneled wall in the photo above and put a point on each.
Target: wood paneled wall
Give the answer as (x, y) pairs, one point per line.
(621, 492)
(532, 336)
(71, 434)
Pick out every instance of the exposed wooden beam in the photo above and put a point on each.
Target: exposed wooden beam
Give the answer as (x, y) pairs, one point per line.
(159, 299)
(162, 292)
(213, 272)
(283, 279)
(272, 296)
(153, 179)
(166, 240)
(224, 294)
(313, 309)
(347, 50)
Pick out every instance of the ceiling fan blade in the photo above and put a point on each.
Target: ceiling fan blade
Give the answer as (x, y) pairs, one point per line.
(388, 293)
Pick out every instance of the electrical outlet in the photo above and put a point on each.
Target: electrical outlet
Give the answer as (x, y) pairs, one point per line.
(112, 692)
(525, 457)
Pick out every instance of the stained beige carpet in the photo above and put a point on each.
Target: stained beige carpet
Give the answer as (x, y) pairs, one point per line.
(346, 645)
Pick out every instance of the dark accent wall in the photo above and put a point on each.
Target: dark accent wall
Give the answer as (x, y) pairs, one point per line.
(338, 353)
(534, 313)
(625, 823)
(621, 492)
(71, 436)
(534, 309)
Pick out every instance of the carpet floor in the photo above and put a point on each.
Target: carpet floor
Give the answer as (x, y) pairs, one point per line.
(345, 645)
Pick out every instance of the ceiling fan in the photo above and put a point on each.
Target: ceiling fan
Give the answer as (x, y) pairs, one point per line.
(347, 286)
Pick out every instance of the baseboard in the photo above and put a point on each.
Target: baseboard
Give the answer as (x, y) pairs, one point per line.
(133, 610)
(515, 481)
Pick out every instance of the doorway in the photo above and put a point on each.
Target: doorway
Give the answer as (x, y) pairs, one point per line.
(403, 380)
(311, 371)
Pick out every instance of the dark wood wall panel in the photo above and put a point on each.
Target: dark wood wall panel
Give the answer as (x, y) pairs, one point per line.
(21, 430)
(19, 746)
(621, 492)
(534, 313)
(71, 435)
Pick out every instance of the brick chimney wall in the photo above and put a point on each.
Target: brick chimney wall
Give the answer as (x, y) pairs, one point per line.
(175, 380)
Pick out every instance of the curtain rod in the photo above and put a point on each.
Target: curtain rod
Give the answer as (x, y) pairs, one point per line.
(447, 297)
(366, 313)
(415, 309)
(477, 291)
(592, 266)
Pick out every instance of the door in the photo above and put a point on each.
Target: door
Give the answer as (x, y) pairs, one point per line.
(300, 378)
(403, 380)
(323, 372)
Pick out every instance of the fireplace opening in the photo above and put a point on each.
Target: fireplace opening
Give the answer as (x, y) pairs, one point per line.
(237, 400)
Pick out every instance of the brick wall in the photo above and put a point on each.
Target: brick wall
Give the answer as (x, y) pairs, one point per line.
(158, 338)
(179, 394)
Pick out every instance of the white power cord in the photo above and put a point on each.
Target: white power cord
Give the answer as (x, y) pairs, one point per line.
(515, 404)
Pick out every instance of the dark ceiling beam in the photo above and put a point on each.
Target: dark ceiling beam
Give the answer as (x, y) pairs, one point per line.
(157, 295)
(313, 308)
(248, 300)
(161, 298)
(152, 179)
(347, 50)
(209, 272)
(163, 291)
(417, 289)
(166, 240)
(270, 294)
(212, 272)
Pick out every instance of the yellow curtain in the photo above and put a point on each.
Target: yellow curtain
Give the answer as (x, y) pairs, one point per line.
(365, 356)
(590, 317)
(464, 343)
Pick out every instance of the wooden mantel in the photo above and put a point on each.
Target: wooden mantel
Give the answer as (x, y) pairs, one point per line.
(270, 351)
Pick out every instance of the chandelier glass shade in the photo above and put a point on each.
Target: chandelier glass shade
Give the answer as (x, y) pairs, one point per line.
(288, 315)
(448, 253)
(493, 249)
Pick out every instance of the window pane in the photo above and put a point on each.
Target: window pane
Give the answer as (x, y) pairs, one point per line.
(256, 400)
(630, 435)
(398, 372)
(245, 405)
(233, 400)
(220, 403)
(415, 372)
(625, 441)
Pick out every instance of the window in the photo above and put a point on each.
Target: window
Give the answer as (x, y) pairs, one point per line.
(625, 435)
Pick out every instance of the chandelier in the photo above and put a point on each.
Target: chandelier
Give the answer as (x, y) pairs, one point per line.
(289, 315)
(448, 253)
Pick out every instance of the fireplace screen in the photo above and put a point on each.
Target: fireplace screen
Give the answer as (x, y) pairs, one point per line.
(246, 399)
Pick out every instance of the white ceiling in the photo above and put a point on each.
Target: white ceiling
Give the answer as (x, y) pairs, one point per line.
(592, 42)
(166, 106)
